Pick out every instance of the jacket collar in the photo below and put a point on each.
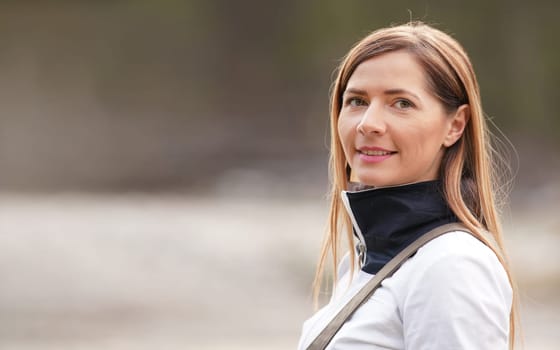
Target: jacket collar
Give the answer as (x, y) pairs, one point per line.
(387, 219)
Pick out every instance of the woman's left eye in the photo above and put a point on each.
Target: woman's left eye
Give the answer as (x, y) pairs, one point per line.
(403, 104)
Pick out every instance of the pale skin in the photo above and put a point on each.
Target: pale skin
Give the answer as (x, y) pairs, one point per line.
(392, 128)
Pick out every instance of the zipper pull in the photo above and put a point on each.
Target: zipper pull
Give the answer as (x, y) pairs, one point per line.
(361, 253)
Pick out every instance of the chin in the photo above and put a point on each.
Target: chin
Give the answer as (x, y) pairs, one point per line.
(376, 181)
(369, 182)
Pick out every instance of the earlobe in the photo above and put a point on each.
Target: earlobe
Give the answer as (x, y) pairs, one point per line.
(457, 125)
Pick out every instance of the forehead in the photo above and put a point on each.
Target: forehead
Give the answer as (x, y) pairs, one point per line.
(397, 69)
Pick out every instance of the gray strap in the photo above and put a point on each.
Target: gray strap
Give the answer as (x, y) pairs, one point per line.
(323, 339)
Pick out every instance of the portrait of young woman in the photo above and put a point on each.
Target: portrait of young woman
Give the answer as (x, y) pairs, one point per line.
(411, 157)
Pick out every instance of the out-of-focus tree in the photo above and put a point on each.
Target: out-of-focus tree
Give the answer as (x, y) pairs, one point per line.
(157, 94)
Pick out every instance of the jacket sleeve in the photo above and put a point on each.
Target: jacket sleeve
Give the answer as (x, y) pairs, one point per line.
(460, 300)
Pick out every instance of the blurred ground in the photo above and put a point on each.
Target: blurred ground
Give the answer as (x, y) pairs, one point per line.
(221, 271)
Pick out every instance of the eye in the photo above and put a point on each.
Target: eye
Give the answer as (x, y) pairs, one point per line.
(355, 102)
(403, 103)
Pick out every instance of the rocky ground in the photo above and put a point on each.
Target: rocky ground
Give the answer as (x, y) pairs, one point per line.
(139, 271)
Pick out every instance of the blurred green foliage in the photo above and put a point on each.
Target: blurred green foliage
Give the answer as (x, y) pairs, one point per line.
(149, 94)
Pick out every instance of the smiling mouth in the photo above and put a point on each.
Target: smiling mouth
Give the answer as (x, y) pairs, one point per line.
(376, 152)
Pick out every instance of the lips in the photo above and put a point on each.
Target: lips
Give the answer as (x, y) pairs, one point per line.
(375, 151)
(374, 154)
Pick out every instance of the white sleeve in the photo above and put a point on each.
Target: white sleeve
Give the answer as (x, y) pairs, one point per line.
(461, 299)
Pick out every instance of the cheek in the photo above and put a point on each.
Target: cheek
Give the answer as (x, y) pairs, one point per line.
(346, 135)
(423, 145)
(423, 137)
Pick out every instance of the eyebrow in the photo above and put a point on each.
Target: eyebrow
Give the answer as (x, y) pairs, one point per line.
(401, 91)
(386, 92)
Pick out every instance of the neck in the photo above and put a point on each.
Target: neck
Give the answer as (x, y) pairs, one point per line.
(387, 219)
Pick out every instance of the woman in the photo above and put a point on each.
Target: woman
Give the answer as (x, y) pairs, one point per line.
(410, 151)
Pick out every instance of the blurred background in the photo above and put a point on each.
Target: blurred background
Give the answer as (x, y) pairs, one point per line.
(163, 164)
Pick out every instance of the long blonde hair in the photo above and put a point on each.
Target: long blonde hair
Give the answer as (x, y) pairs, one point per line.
(468, 169)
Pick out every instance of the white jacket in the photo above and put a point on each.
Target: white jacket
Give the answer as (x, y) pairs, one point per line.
(452, 294)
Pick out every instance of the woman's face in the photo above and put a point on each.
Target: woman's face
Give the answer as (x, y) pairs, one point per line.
(393, 130)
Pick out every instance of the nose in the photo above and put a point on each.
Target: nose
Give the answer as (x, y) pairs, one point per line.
(372, 121)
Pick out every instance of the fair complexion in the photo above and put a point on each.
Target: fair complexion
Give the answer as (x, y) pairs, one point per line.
(393, 130)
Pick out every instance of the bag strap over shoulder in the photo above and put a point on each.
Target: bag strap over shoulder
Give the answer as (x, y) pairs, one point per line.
(367, 290)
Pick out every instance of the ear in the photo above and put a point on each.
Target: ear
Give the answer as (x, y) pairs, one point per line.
(457, 125)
